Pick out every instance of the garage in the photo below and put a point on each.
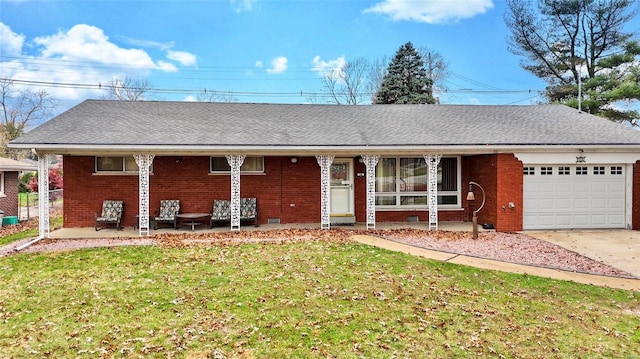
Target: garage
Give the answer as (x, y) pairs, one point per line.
(574, 196)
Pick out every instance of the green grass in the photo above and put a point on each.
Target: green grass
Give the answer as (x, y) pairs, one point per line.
(300, 300)
(55, 222)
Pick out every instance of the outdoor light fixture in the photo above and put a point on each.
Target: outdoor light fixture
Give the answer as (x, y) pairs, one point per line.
(294, 159)
(472, 197)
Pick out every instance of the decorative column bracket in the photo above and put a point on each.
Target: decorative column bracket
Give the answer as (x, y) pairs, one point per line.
(43, 195)
(325, 162)
(371, 161)
(432, 162)
(144, 163)
(235, 162)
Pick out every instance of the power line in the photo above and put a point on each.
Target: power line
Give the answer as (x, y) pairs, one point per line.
(99, 86)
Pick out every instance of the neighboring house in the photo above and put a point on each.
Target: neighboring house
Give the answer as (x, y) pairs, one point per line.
(9, 183)
(542, 167)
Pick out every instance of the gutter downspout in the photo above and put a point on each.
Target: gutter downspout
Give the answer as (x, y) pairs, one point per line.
(23, 246)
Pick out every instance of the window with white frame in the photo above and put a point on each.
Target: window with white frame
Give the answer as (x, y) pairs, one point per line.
(2, 183)
(115, 164)
(251, 164)
(403, 182)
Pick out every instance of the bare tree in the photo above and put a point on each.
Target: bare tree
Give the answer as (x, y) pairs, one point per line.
(20, 110)
(127, 89)
(215, 96)
(347, 85)
(437, 68)
(377, 72)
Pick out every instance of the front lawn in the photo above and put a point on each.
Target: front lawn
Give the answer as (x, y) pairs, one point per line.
(304, 299)
(26, 229)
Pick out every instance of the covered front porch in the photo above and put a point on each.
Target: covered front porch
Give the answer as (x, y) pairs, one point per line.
(292, 189)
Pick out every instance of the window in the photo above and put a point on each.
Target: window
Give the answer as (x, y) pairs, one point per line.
(251, 164)
(404, 182)
(2, 184)
(598, 170)
(529, 171)
(563, 171)
(116, 164)
(616, 170)
(581, 170)
(546, 171)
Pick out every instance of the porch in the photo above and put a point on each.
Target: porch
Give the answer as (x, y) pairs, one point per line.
(130, 232)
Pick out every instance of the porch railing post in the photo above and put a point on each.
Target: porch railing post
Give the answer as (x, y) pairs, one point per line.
(235, 162)
(325, 162)
(43, 195)
(432, 162)
(144, 163)
(371, 161)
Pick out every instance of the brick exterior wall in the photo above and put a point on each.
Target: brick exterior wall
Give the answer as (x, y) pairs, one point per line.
(9, 203)
(288, 191)
(501, 177)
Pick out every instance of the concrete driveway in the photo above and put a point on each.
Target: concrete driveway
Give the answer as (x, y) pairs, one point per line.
(618, 248)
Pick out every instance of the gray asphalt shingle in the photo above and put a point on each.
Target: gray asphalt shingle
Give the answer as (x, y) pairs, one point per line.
(102, 122)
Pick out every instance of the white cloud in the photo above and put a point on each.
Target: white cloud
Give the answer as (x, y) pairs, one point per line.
(278, 65)
(259, 64)
(431, 11)
(80, 55)
(89, 43)
(190, 98)
(242, 5)
(331, 67)
(183, 57)
(11, 44)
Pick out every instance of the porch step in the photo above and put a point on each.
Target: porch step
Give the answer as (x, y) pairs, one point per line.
(343, 219)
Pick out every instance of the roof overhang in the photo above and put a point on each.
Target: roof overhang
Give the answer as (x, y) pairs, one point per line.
(270, 150)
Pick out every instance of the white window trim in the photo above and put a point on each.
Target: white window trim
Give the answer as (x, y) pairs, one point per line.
(211, 171)
(2, 177)
(97, 172)
(425, 207)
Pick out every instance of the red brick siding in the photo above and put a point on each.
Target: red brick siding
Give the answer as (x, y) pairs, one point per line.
(501, 177)
(289, 191)
(9, 203)
(286, 190)
(510, 183)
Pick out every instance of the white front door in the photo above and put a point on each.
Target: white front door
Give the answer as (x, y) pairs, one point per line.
(342, 187)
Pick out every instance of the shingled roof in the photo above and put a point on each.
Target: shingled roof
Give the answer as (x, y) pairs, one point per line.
(150, 124)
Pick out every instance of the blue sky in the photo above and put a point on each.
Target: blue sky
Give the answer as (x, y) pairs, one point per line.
(258, 50)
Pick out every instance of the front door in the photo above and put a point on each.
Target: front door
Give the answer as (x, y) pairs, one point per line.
(342, 188)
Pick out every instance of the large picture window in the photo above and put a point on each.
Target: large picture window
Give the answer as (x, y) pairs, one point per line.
(251, 164)
(119, 164)
(403, 182)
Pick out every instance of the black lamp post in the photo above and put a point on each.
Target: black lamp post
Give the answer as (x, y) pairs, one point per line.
(472, 197)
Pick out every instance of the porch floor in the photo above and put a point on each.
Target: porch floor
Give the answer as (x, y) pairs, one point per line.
(129, 232)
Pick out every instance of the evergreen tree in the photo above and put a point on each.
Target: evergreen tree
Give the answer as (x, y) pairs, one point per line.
(406, 81)
(571, 42)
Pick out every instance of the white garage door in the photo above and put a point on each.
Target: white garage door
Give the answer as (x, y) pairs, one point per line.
(574, 196)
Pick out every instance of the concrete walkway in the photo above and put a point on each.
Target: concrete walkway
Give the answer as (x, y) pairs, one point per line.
(611, 282)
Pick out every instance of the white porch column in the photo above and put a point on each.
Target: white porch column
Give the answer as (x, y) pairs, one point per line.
(43, 195)
(235, 162)
(371, 161)
(144, 163)
(325, 162)
(432, 162)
